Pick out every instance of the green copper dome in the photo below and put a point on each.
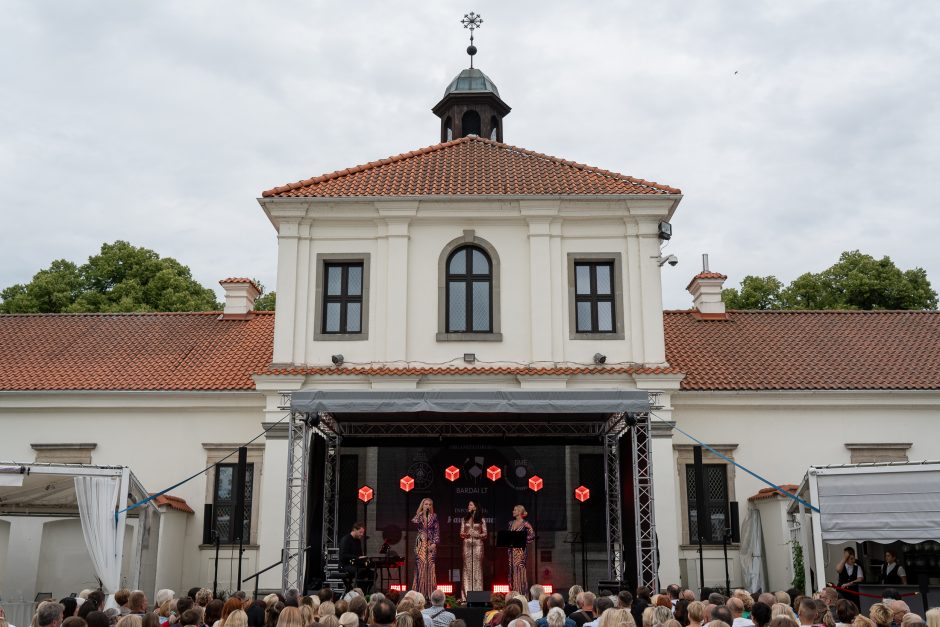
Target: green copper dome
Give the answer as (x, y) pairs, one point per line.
(471, 80)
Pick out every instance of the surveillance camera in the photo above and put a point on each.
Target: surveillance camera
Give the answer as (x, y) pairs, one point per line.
(672, 260)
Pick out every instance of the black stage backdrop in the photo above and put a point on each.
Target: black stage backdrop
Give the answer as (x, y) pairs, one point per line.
(394, 508)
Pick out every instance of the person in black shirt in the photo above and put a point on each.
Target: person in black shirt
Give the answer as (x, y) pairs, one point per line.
(850, 573)
(892, 573)
(350, 554)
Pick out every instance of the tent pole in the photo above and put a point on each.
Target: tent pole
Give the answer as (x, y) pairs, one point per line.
(817, 531)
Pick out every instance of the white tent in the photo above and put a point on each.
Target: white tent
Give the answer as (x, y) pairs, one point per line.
(887, 502)
(33, 494)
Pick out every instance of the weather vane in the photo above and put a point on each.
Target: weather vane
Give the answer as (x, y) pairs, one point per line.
(472, 21)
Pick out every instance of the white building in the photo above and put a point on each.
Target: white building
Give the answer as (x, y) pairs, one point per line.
(403, 266)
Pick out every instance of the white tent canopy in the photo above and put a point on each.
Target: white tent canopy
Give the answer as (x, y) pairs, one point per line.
(94, 495)
(883, 503)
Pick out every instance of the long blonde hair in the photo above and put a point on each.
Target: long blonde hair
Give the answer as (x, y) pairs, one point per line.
(933, 617)
(616, 617)
(237, 618)
(421, 506)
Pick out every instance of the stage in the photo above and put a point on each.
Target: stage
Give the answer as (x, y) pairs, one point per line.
(578, 461)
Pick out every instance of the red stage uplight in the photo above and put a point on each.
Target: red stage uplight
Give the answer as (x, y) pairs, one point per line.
(452, 473)
(536, 483)
(407, 483)
(581, 493)
(399, 586)
(548, 588)
(446, 588)
(366, 493)
(493, 473)
(500, 588)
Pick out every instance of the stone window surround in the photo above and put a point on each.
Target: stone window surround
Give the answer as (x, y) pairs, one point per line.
(869, 452)
(215, 451)
(64, 452)
(685, 457)
(322, 260)
(617, 260)
(468, 237)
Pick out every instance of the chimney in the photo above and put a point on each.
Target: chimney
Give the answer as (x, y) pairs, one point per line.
(705, 288)
(240, 295)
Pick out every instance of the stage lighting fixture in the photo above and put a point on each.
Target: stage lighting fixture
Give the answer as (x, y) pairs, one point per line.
(446, 588)
(452, 473)
(548, 588)
(600, 359)
(536, 483)
(337, 359)
(398, 586)
(582, 493)
(366, 493)
(500, 588)
(407, 483)
(493, 473)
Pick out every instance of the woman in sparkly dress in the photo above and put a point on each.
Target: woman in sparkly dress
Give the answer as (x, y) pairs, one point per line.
(429, 534)
(473, 532)
(518, 579)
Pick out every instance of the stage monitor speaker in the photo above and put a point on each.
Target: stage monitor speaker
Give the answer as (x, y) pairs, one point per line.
(613, 585)
(207, 524)
(735, 523)
(478, 598)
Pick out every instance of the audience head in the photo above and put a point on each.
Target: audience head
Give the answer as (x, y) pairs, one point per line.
(760, 614)
(573, 593)
(214, 611)
(203, 596)
(512, 612)
(880, 614)
(862, 621)
(555, 617)
(437, 598)
(602, 604)
(735, 606)
(696, 612)
(933, 617)
(716, 598)
(191, 617)
(97, 619)
(383, 612)
(137, 602)
(616, 617)
(784, 621)
(624, 599)
(587, 600)
(49, 614)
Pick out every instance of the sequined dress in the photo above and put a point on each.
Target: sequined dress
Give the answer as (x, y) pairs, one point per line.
(429, 535)
(518, 578)
(473, 535)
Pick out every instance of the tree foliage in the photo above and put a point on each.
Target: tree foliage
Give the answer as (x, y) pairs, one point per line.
(120, 278)
(267, 300)
(856, 281)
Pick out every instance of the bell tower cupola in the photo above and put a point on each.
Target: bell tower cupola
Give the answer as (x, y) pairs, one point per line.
(471, 104)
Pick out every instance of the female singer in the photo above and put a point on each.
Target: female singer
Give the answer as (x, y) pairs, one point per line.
(429, 534)
(473, 532)
(518, 579)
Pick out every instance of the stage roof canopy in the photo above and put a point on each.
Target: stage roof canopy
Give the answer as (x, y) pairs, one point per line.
(567, 402)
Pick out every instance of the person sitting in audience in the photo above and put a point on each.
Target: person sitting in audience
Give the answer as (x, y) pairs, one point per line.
(760, 614)
(585, 612)
(437, 615)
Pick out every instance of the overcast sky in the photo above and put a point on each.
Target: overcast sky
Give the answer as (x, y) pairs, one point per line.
(795, 129)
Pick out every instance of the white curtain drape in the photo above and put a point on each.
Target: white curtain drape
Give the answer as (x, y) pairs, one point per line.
(97, 500)
(752, 552)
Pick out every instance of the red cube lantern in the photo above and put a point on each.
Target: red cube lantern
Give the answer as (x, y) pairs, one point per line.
(536, 483)
(493, 473)
(581, 493)
(452, 473)
(407, 483)
(365, 494)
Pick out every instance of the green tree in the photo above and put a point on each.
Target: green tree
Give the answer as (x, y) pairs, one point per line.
(757, 292)
(856, 281)
(267, 300)
(120, 278)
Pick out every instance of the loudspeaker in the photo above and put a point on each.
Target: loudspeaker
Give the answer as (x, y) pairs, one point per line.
(613, 585)
(701, 514)
(735, 523)
(238, 485)
(478, 598)
(207, 524)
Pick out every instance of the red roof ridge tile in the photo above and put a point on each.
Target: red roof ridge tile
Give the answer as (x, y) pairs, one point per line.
(240, 280)
(766, 493)
(174, 502)
(122, 314)
(471, 138)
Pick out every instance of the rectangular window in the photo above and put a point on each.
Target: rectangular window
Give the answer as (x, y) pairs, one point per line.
(594, 297)
(342, 298)
(716, 501)
(223, 502)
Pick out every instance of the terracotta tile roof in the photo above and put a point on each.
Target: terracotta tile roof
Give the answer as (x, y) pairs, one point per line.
(769, 493)
(174, 502)
(470, 166)
(456, 371)
(168, 351)
(806, 350)
(706, 275)
(239, 280)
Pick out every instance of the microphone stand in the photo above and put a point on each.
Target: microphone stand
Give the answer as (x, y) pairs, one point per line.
(215, 575)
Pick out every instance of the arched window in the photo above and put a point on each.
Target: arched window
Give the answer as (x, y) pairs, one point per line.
(448, 130)
(469, 291)
(494, 124)
(470, 123)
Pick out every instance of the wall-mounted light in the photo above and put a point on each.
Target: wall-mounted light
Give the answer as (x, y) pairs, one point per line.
(600, 359)
(337, 359)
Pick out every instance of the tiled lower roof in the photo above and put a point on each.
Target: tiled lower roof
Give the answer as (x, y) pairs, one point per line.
(154, 351)
(174, 502)
(806, 350)
(769, 493)
(469, 166)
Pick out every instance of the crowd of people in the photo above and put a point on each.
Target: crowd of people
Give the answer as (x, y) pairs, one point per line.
(675, 607)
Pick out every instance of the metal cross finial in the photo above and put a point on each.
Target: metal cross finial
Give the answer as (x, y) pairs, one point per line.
(472, 21)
